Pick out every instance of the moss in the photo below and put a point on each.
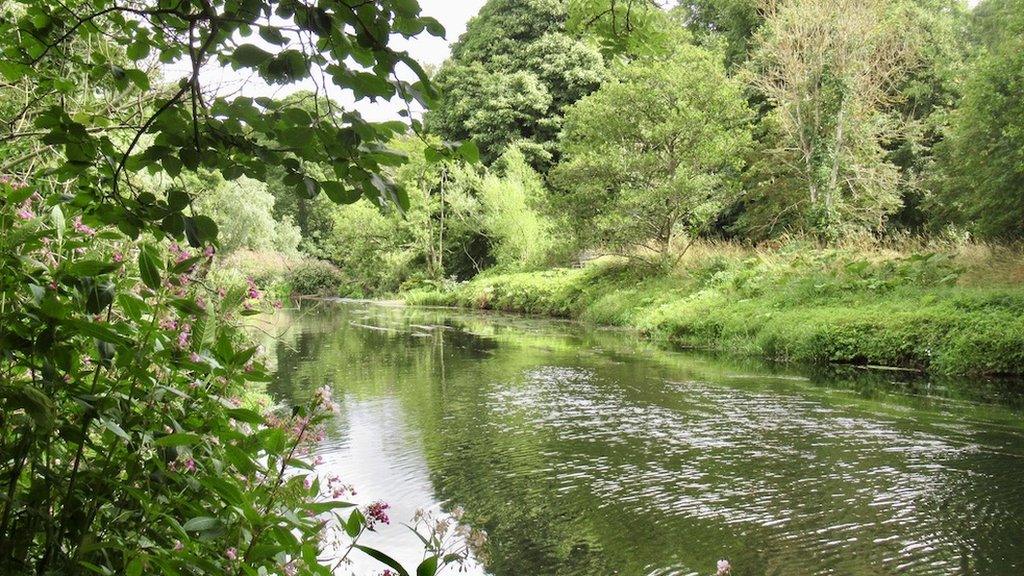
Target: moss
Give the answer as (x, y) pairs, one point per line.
(815, 308)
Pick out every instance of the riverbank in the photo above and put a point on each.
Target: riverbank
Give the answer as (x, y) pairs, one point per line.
(939, 312)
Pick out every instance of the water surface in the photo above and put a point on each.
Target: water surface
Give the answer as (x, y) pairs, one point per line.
(583, 451)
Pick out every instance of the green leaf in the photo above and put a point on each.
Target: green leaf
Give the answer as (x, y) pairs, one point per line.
(201, 524)
(251, 56)
(178, 439)
(57, 219)
(355, 523)
(384, 558)
(134, 567)
(116, 429)
(469, 152)
(338, 193)
(177, 199)
(138, 50)
(91, 267)
(206, 228)
(148, 269)
(428, 567)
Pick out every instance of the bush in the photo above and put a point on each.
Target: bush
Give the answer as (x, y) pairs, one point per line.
(315, 278)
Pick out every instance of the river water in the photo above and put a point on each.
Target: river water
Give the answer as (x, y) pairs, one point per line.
(583, 451)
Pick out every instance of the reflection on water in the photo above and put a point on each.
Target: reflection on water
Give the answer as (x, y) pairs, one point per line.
(585, 452)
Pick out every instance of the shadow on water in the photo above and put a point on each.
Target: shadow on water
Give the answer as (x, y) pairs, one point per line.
(587, 451)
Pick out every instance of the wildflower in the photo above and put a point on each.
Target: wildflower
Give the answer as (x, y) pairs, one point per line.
(388, 572)
(231, 553)
(724, 568)
(318, 461)
(193, 357)
(178, 545)
(118, 256)
(208, 251)
(307, 482)
(377, 512)
(25, 214)
(190, 465)
(82, 228)
(183, 336)
(290, 569)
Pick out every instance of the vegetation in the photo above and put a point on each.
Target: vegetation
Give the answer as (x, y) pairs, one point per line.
(913, 308)
(135, 434)
(146, 211)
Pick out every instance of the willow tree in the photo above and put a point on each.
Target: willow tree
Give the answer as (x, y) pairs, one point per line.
(828, 70)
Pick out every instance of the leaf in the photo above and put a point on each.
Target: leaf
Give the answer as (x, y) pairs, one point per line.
(338, 193)
(428, 567)
(206, 228)
(116, 429)
(469, 152)
(148, 269)
(57, 219)
(355, 523)
(178, 439)
(177, 199)
(91, 267)
(384, 558)
(134, 567)
(201, 524)
(251, 56)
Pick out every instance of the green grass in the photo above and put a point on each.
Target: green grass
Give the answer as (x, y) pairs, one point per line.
(919, 311)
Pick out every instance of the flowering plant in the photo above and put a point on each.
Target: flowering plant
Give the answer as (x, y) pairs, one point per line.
(133, 438)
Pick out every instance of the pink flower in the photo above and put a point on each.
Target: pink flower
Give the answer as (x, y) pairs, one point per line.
(307, 482)
(118, 256)
(208, 251)
(724, 568)
(82, 228)
(231, 553)
(318, 461)
(178, 545)
(190, 465)
(25, 214)
(377, 512)
(193, 357)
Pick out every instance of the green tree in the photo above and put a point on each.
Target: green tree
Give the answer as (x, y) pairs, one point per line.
(510, 77)
(826, 70)
(983, 162)
(654, 154)
(511, 215)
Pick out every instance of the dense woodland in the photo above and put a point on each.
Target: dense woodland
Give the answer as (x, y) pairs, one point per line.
(147, 211)
(636, 129)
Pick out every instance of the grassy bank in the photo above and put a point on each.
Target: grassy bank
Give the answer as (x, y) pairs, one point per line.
(952, 311)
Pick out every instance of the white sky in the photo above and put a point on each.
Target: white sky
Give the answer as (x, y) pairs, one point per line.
(427, 50)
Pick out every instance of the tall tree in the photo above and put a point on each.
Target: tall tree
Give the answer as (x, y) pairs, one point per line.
(828, 69)
(653, 155)
(510, 77)
(983, 162)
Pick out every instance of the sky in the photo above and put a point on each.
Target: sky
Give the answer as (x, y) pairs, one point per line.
(427, 50)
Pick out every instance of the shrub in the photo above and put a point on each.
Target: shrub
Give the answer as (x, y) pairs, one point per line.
(315, 278)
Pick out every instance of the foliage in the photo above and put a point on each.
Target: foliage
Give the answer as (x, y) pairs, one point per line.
(632, 28)
(126, 446)
(510, 77)
(315, 278)
(798, 304)
(826, 69)
(131, 443)
(654, 153)
(521, 236)
(983, 165)
(242, 210)
(187, 127)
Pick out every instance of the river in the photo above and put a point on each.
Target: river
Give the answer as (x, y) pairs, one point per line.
(585, 451)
